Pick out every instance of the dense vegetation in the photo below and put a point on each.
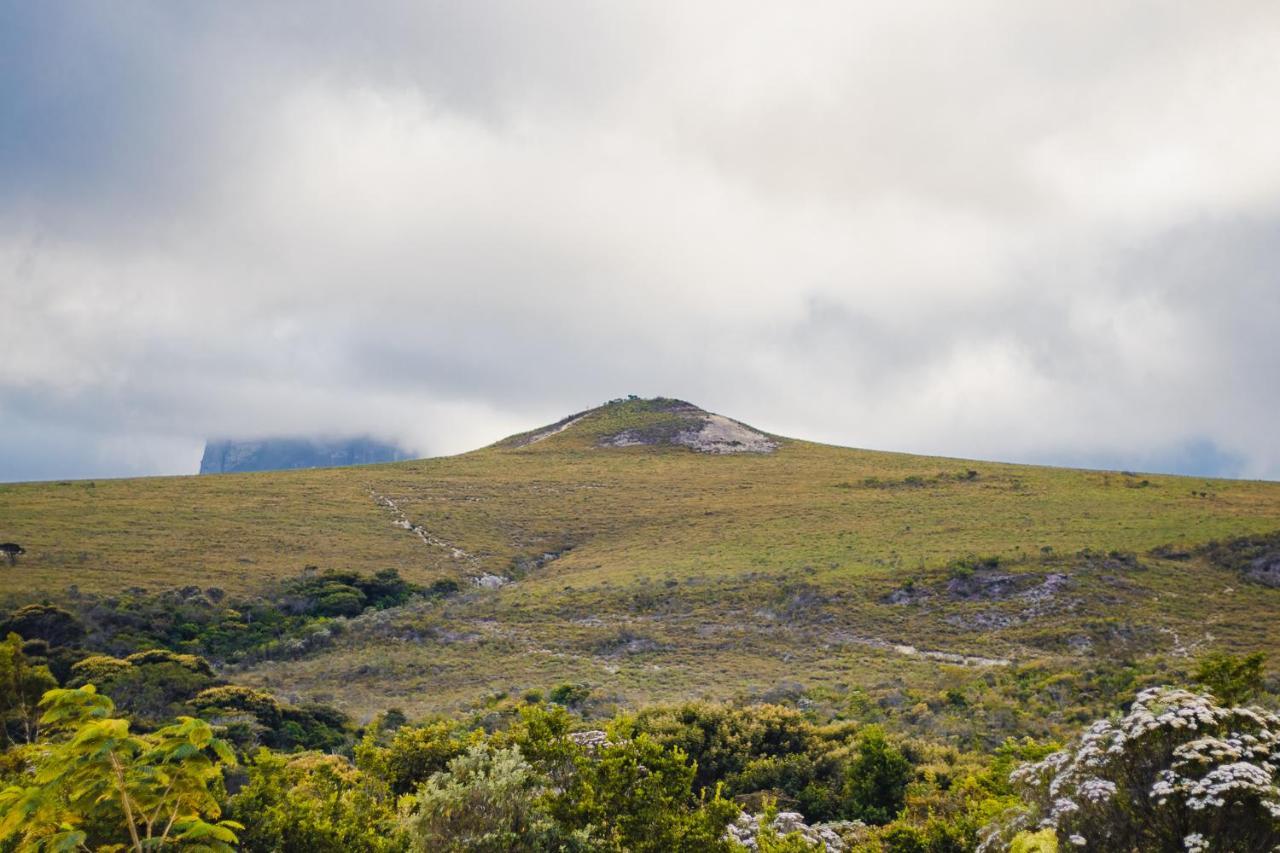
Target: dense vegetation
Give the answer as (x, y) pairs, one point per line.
(153, 750)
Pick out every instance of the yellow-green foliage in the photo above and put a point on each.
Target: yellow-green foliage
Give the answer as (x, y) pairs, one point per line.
(1044, 841)
(97, 783)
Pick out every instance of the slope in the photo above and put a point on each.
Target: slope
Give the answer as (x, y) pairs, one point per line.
(611, 549)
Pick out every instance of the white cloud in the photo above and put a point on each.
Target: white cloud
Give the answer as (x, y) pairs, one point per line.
(994, 230)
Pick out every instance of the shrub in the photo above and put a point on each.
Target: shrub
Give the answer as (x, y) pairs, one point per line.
(311, 803)
(876, 781)
(1231, 679)
(415, 752)
(98, 784)
(634, 795)
(55, 626)
(570, 695)
(485, 802)
(1175, 770)
(231, 698)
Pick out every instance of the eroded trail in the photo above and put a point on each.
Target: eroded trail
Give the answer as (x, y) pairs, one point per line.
(911, 651)
(402, 521)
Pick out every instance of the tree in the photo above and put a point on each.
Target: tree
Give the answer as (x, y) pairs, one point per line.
(1232, 680)
(415, 752)
(55, 626)
(21, 686)
(99, 784)
(151, 686)
(634, 795)
(313, 803)
(1176, 772)
(876, 779)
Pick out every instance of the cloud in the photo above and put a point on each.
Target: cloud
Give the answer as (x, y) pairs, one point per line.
(1001, 231)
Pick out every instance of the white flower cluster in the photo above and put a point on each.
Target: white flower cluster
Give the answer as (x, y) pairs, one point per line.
(1195, 755)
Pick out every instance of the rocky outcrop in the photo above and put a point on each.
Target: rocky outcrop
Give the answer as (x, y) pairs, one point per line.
(686, 425)
(655, 422)
(591, 741)
(278, 454)
(718, 434)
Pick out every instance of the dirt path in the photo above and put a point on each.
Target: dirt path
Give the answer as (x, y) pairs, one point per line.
(402, 521)
(912, 651)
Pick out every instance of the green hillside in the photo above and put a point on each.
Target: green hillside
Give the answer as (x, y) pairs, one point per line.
(607, 551)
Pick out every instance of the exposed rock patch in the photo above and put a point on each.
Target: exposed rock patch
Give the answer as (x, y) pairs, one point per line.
(488, 580)
(719, 434)
(661, 421)
(746, 829)
(528, 564)
(592, 741)
(987, 587)
(691, 427)
(1006, 599)
(911, 651)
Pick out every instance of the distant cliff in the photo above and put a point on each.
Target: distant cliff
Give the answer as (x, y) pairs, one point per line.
(275, 454)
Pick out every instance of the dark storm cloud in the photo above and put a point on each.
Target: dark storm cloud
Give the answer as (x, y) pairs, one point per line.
(1001, 231)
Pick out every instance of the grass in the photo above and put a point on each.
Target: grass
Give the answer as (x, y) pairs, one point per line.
(678, 573)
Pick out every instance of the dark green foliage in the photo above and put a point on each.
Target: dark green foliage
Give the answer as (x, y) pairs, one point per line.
(54, 625)
(1233, 680)
(966, 567)
(256, 717)
(59, 659)
(876, 779)
(905, 839)
(722, 740)
(334, 593)
(414, 753)
(154, 691)
(1254, 557)
(294, 618)
(569, 695)
(637, 795)
(337, 599)
(313, 726)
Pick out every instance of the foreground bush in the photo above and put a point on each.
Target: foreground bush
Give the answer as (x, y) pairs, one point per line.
(1177, 772)
(486, 802)
(313, 803)
(97, 785)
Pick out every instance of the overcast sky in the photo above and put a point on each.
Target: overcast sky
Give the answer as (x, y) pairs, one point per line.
(1042, 232)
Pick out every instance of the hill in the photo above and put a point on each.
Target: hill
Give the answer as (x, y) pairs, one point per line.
(647, 549)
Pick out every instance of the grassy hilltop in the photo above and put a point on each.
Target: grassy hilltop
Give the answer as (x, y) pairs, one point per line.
(607, 550)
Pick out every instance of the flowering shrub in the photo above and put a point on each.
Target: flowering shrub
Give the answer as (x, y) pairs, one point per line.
(1176, 772)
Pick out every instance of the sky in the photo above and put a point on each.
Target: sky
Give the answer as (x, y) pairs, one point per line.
(1040, 232)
